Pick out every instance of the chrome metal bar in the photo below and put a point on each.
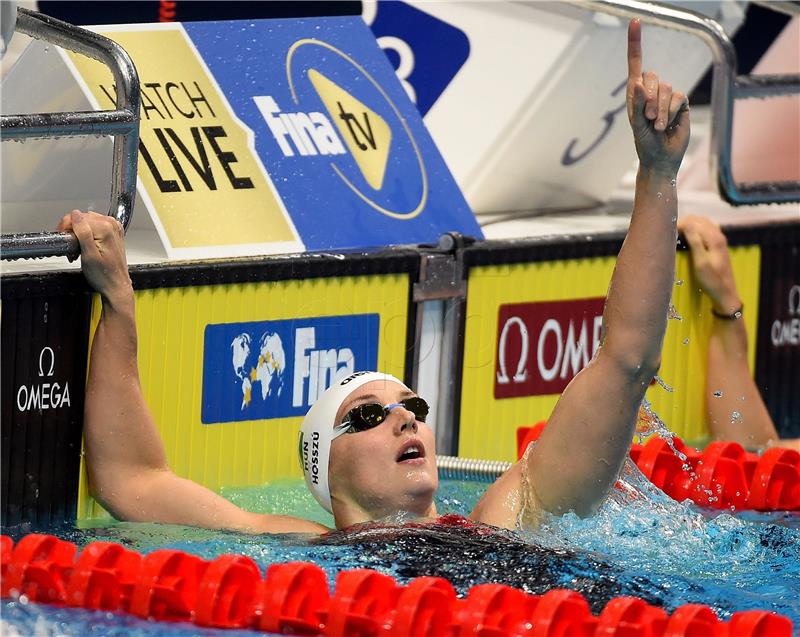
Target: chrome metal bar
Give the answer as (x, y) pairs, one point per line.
(34, 245)
(726, 87)
(761, 86)
(80, 123)
(453, 468)
(122, 123)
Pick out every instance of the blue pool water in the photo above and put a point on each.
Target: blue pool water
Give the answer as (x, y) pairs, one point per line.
(639, 543)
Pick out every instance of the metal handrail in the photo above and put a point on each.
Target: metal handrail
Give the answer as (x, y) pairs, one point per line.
(456, 468)
(122, 123)
(726, 87)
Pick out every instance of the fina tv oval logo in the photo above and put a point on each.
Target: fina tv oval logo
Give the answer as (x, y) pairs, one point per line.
(368, 136)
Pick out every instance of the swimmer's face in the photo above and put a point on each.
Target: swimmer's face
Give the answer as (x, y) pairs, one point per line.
(367, 473)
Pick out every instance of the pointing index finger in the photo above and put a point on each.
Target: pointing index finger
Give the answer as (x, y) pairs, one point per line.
(634, 49)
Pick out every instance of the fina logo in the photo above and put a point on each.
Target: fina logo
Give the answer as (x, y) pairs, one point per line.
(314, 370)
(278, 369)
(367, 136)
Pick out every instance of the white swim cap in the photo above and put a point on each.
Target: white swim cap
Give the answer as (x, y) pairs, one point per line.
(317, 432)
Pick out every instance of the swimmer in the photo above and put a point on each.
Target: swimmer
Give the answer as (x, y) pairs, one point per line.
(376, 453)
(730, 387)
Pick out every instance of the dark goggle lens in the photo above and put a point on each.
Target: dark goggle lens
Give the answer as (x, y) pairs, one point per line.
(417, 406)
(371, 415)
(366, 416)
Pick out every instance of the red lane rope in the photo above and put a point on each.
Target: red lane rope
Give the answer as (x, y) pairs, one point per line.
(723, 476)
(294, 598)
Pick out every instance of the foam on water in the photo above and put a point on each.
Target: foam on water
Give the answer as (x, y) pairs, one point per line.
(738, 562)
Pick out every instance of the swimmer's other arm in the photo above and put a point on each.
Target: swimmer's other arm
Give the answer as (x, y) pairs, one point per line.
(730, 388)
(127, 465)
(579, 455)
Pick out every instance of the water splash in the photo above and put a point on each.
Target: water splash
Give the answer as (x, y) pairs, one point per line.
(672, 313)
(645, 530)
(650, 423)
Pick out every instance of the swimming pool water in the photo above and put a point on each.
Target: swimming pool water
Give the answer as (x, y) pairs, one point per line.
(639, 543)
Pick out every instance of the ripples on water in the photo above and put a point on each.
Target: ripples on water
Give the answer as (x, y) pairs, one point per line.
(639, 543)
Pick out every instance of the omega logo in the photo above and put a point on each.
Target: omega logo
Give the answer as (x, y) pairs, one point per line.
(787, 332)
(41, 396)
(542, 345)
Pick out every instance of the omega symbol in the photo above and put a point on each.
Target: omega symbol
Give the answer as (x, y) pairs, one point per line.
(521, 374)
(794, 300)
(52, 361)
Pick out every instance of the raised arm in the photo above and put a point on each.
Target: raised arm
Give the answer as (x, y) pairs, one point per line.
(579, 455)
(128, 470)
(734, 407)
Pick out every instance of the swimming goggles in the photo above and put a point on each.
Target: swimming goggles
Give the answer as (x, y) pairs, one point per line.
(371, 415)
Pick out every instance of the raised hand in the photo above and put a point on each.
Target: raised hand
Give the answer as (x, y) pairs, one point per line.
(659, 117)
(711, 262)
(102, 252)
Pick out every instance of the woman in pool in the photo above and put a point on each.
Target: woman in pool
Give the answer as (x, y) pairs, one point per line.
(381, 459)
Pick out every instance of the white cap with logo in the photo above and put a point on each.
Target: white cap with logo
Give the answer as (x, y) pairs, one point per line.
(317, 432)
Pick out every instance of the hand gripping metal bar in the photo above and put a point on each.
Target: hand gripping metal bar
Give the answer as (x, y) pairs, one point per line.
(726, 87)
(122, 123)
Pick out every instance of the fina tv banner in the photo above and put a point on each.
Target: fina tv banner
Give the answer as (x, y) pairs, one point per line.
(277, 369)
(281, 135)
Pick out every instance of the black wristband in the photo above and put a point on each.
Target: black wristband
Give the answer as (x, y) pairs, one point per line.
(729, 317)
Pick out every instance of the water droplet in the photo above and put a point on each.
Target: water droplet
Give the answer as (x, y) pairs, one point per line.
(659, 195)
(679, 282)
(673, 182)
(672, 313)
(735, 417)
(718, 394)
(686, 341)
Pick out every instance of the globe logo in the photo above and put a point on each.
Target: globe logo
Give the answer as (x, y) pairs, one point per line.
(264, 368)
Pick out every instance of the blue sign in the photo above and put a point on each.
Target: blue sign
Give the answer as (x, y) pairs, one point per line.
(425, 51)
(277, 369)
(346, 149)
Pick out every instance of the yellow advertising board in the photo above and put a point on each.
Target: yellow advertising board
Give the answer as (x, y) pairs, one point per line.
(567, 297)
(186, 368)
(200, 176)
